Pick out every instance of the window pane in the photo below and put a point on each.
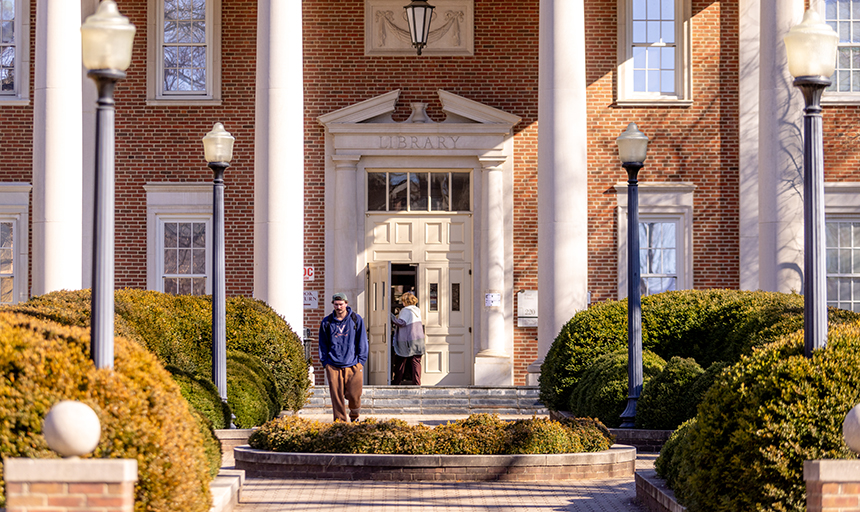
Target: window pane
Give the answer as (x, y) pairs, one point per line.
(844, 261)
(170, 285)
(653, 9)
(832, 261)
(7, 290)
(830, 9)
(455, 296)
(376, 191)
(184, 230)
(653, 32)
(668, 10)
(654, 80)
(6, 235)
(439, 192)
(640, 34)
(183, 261)
(434, 297)
(5, 261)
(170, 261)
(397, 191)
(198, 286)
(844, 234)
(418, 191)
(461, 192)
(639, 10)
(199, 261)
(199, 234)
(184, 286)
(7, 32)
(639, 59)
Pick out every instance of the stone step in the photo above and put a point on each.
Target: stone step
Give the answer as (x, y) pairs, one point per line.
(513, 400)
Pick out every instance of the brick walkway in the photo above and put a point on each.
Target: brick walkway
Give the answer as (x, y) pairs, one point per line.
(611, 495)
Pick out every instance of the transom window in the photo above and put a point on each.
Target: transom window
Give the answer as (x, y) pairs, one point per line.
(658, 257)
(185, 257)
(419, 191)
(7, 262)
(844, 17)
(842, 242)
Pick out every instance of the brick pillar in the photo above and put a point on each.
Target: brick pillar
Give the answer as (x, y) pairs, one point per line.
(68, 485)
(831, 485)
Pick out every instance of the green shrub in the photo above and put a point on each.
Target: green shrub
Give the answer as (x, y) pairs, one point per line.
(667, 401)
(177, 329)
(707, 325)
(247, 394)
(263, 376)
(764, 417)
(141, 411)
(479, 434)
(602, 390)
(202, 395)
(668, 463)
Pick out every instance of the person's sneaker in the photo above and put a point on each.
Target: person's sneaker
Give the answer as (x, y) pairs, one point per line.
(353, 419)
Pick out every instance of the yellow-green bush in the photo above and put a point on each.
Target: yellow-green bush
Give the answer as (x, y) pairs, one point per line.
(141, 411)
(203, 397)
(479, 434)
(247, 394)
(178, 330)
(761, 419)
(707, 325)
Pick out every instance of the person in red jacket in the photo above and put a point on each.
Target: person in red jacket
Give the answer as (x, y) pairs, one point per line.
(343, 352)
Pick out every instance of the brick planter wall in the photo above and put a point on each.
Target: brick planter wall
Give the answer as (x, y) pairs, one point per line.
(616, 462)
(64, 485)
(832, 485)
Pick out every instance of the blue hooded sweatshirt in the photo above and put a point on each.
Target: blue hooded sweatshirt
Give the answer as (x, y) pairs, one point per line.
(343, 343)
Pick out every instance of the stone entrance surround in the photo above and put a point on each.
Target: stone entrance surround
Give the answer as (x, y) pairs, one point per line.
(618, 461)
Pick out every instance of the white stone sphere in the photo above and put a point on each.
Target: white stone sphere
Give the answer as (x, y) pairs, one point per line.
(71, 428)
(851, 429)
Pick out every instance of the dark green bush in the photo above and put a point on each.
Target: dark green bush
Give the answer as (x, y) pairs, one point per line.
(602, 390)
(263, 376)
(177, 329)
(141, 411)
(203, 397)
(707, 325)
(760, 421)
(666, 400)
(247, 395)
(479, 434)
(668, 463)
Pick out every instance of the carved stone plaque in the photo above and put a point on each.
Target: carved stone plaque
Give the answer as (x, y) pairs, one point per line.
(451, 29)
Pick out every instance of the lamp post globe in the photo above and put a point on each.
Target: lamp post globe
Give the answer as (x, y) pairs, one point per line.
(106, 44)
(632, 151)
(218, 151)
(811, 50)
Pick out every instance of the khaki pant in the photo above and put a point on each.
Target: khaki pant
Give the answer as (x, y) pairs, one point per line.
(345, 384)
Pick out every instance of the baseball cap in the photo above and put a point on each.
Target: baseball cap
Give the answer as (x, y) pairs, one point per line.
(339, 296)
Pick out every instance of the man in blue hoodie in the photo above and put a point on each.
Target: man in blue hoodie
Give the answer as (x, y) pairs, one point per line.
(343, 352)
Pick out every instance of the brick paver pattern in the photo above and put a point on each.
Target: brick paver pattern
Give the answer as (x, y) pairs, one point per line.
(273, 495)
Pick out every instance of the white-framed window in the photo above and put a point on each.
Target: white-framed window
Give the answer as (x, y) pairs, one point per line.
(654, 39)
(184, 52)
(179, 237)
(14, 51)
(665, 237)
(14, 218)
(842, 244)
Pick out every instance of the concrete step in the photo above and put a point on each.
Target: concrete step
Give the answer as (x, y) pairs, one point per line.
(437, 400)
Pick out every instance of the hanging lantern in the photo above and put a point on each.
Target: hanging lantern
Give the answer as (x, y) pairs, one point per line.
(418, 14)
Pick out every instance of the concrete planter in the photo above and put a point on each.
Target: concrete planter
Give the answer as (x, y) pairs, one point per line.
(618, 461)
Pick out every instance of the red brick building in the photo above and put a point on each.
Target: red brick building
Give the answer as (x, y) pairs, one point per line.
(482, 173)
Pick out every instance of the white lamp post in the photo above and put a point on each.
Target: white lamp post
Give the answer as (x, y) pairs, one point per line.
(218, 150)
(106, 40)
(418, 15)
(632, 150)
(811, 50)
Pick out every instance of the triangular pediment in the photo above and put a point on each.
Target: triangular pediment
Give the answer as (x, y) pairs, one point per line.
(457, 109)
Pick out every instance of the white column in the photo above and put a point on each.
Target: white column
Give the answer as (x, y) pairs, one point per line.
(344, 239)
(90, 96)
(562, 171)
(780, 177)
(279, 161)
(748, 124)
(493, 365)
(57, 154)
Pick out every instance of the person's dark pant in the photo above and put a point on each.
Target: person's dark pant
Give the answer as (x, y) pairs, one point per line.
(345, 384)
(400, 369)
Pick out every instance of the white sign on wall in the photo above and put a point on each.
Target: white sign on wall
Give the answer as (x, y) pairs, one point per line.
(492, 300)
(309, 273)
(527, 308)
(312, 299)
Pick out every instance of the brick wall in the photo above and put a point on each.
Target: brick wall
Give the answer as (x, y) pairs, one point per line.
(832, 485)
(70, 485)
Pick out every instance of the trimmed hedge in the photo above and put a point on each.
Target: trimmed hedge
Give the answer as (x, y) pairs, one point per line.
(177, 329)
(141, 411)
(760, 421)
(603, 389)
(707, 325)
(669, 398)
(251, 393)
(203, 397)
(479, 434)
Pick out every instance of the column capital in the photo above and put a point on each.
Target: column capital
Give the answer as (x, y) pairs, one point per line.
(492, 163)
(346, 162)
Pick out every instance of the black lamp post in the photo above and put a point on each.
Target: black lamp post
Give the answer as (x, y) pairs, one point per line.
(418, 14)
(106, 40)
(218, 150)
(811, 50)
(632, 150)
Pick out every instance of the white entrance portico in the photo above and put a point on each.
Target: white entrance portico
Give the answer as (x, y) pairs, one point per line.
(460, 247)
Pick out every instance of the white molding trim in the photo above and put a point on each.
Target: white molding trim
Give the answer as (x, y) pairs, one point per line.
(667, 200)
(15, 206)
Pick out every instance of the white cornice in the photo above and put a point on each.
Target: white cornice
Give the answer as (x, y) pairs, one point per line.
(363, 111)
